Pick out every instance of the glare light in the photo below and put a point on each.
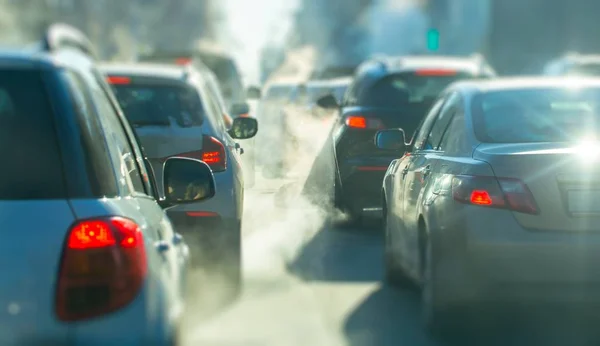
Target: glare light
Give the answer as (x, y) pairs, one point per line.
(588, 149)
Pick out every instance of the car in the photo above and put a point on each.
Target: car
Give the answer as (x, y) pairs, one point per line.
(319, 88)
(95, 258)
(232, 108)
(573, 64)
(495, 198)
(175, 115)
(386, 92)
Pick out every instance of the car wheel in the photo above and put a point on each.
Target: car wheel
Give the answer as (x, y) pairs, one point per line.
(440, 319)
(394, 275)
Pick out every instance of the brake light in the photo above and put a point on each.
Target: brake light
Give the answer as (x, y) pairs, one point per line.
(183, 61)
(505, 193)
(361, 122)
(118, 80)
(435, 72)
(103, 268)
(213, 153)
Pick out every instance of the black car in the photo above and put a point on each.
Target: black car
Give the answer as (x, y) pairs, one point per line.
(393, 92)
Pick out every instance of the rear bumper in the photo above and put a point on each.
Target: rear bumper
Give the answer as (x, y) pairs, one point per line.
(361, 183)
(484, 255)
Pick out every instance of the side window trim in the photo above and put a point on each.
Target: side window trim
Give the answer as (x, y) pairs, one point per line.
(134, 143)
(443, 99)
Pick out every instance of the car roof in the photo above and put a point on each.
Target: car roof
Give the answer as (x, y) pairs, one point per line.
(522, 83)
(411, 63)
(329, 82)
(145, 70)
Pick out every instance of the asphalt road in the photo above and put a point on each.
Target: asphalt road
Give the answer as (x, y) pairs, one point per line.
(311, 280)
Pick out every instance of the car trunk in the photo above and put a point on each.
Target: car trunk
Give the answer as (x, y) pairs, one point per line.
(30, 254)
(563, 181)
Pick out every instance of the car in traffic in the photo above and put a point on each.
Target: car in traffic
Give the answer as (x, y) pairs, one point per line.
(385, 93)
(232, 106)
(95, 258)
(574, 64)
(495, 201)
(175, 115)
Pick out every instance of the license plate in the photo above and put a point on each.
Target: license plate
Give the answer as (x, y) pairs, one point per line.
(584, 201)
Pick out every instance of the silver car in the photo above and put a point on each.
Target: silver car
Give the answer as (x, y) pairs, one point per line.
(496, 200)
(175, 115)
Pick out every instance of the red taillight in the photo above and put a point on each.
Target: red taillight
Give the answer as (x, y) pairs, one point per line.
(103, 268)
(244, 115)
(118, 80)
(360, 122)
(507, 193)
(183, 61)
(435, 72)
(213, 153)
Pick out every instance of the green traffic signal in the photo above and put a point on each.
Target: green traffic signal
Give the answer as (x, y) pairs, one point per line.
(433, 39)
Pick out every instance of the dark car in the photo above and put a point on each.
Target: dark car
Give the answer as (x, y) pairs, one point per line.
(385, 93)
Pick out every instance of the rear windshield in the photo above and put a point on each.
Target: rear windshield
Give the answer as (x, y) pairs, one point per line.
(403, 89)
(29, 148)
(160, 105)
(537, 115)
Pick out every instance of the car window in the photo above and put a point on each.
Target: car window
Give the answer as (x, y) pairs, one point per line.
(408, 89)
(28, 142)
(132, 180)
(445, 116)
(454, 137)
(216, 112)
(96, 147)
(422, 133)
(537, 115)
(160, 105)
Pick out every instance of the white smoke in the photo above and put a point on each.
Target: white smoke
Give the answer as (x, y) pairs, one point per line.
(251, 25)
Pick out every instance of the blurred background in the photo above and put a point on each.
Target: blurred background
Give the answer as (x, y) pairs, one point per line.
(516, 36)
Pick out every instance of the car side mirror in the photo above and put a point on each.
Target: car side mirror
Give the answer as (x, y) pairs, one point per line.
(243, 128)
(253, 93)
(392, 139)
(187, 181)
(328, 101)
(239, 109)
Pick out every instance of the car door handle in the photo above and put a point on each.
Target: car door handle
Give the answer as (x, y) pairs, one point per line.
(426, 171)
(177, 239)
(162, 246)
(404, 172)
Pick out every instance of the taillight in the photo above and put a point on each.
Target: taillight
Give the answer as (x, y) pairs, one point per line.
(361, 122)
(118, 80)
(103, 268)
(183, 61)
(213, 153)
(505, 193)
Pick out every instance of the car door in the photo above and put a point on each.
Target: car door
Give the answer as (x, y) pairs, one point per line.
(418, 170)
(399, 173)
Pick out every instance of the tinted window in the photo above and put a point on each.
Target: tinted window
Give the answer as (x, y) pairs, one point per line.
(454, 137)
(160, 105)
(408, 90)
(537, 115)
(29, 147)
(439, 127)
(422, 133)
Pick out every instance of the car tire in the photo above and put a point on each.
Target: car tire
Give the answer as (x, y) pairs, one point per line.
(394, 275)
(440, 319)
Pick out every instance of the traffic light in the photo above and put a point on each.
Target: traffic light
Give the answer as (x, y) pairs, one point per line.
(433, 40)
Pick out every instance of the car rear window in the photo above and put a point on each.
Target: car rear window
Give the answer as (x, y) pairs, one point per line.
(537, 115)
(29, 147)
(403, 89)
(160, 105)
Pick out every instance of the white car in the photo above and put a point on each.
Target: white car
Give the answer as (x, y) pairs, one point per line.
(175, 115)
